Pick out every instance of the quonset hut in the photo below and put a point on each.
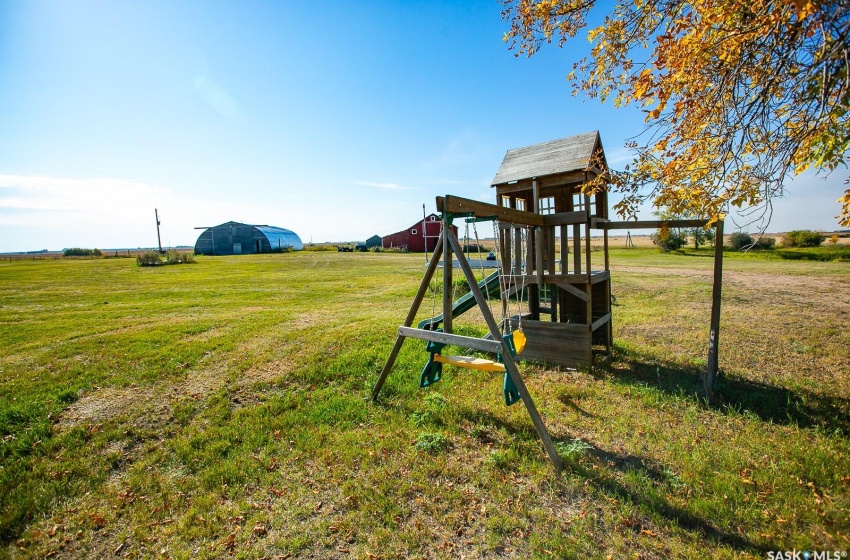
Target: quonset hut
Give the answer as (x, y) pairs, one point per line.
(233, 238)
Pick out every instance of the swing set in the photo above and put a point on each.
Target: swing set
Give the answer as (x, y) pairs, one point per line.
(505, 339)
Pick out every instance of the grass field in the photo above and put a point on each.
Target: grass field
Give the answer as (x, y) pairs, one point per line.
(220, 409)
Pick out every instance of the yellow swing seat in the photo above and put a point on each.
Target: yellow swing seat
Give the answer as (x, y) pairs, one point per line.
(470, 362)
(519, 341)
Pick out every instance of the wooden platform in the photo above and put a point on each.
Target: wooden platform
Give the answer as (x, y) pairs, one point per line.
(559, 344)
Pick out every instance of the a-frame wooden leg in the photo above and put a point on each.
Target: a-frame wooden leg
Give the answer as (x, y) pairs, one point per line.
(411, 315)
(510, 364)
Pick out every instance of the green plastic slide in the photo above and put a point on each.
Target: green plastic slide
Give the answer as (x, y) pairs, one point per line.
(490, 285)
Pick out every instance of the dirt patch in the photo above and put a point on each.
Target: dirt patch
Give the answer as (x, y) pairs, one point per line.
(820, 291)
(153, 401)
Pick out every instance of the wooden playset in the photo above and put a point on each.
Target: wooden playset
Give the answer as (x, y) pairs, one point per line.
(542, 224)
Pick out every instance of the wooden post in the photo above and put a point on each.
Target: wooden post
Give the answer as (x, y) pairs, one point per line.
(504, 240)
(610, 328)
(535, 193)
(588, 264)
(539, 248)
(576, 238)
(519, 251)
(411, 315)
(447, 277)
(605, 247)
(711, 371)
(565, 252)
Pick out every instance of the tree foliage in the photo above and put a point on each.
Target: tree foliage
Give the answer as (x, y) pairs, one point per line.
(738, 95)
(802, 238)
(668, 239)
(701, 236)
(741, 240)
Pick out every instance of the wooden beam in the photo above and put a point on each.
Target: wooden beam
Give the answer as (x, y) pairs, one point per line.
(599, 223)
(546, 181)
(470, 342)
(565, 218)
(653, 224)
(600, 321)
(569, 288)
(458, 205)
(447, 277)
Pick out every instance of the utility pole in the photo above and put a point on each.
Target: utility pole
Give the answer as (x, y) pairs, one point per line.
(158, 241)
(425, 233)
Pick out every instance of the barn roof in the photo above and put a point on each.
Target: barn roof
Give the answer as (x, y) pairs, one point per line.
(573, 153)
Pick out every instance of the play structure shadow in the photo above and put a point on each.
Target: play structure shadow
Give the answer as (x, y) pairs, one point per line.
(654, 501)
(570, 403)
(733, 394)
(609, 485)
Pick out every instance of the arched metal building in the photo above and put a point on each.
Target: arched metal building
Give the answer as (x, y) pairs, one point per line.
(233, 238)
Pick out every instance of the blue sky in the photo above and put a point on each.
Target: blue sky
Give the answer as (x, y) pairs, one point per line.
(337, 120)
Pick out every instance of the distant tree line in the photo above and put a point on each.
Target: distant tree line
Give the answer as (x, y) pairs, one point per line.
(78, 252)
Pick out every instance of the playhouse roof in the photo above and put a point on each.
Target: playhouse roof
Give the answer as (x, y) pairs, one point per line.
(573, 153)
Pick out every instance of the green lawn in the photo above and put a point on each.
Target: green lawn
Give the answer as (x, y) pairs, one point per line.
(220, 409)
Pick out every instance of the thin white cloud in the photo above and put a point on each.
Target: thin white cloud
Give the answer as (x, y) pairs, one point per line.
(386, 186)
(618, 157)
(23, 192)
(60, 212)
(450, 182)
(217, 97)
(462, 149)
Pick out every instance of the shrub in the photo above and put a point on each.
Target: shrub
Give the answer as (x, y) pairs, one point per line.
(833, 240)
(741, 240)
(282, 249)
(321, 247)
(78, 252)
(669, 240)
(173, 257)
(701, 236)
(148, 258)
(432, 442)
(802, 238)
(475, 248)
(765, 242)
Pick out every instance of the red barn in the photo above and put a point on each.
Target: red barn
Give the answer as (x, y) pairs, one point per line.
(421, 237)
